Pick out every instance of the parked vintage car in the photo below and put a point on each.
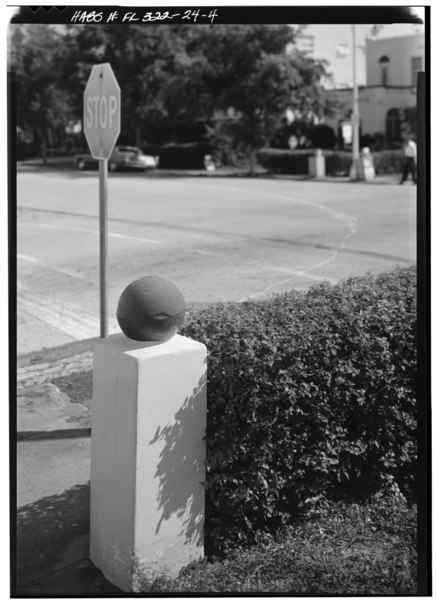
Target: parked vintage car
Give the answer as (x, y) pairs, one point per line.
(122, 157)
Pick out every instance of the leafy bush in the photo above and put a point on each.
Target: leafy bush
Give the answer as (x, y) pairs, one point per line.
(296, 162)
(183, 156)
(292, 162)
(385, 162)
(151, 149)
(338, 163)
(388, 161)
(309, 395)
(340, 548)
(373, 141)
(323, 136)
(307, 135)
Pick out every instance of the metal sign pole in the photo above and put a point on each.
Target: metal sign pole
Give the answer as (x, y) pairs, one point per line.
(103, 245)
(101, 126)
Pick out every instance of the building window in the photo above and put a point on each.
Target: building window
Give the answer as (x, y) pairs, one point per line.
(416, 63)
(384, 67)
(393, 125)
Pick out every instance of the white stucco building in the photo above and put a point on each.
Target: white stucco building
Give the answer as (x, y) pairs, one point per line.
(394, 61)
(333, 43)
(392, 65)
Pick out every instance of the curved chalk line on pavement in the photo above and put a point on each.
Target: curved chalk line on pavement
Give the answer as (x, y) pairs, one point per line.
(350, 222)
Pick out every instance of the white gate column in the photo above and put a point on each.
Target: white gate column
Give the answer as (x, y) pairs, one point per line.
(148, 457)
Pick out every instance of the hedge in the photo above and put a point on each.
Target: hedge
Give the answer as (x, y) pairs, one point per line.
(293, 162)
(180, 156)
(309, 395)
(388, 161)
(296, 162)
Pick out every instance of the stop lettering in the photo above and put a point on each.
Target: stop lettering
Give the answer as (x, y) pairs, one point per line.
(100, 111)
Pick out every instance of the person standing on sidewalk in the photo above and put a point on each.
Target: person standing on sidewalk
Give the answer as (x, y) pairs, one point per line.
(409, 165)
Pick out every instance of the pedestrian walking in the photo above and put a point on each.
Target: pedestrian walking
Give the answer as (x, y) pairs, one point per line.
(409, 166)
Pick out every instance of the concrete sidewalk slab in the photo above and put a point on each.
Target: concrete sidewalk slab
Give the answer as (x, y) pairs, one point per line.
(53, 505)
(53, 475)
(47, 408)
(49, 467)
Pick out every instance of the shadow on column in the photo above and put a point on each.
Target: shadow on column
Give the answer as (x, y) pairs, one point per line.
(181, 471)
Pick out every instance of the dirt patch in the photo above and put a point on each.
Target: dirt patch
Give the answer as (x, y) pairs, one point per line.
(77, 386)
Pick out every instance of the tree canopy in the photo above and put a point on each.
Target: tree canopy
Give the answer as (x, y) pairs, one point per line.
(234, 81)
(37, 57)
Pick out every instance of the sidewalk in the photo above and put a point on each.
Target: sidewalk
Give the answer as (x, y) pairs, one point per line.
(54, 391)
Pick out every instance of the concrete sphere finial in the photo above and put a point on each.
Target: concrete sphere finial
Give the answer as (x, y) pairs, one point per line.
(151, 309)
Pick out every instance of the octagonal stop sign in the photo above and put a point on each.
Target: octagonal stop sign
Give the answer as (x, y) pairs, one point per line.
(101, 111)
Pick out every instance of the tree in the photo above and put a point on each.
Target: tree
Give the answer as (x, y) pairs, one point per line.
(323, 136)
(244, 77)
(36, 57)
(143, 60)
(235, 80)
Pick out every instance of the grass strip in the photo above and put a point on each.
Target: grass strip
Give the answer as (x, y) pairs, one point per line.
(338, 548)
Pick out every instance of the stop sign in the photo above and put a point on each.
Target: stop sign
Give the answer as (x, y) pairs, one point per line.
(101, 111)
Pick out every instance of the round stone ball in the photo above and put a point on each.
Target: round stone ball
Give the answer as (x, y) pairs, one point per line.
(151, 309)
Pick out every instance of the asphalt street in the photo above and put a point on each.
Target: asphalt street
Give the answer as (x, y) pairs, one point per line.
(218, 239)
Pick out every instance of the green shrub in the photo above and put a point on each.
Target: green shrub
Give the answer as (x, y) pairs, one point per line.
(322, 136)
(296, 162)
(337, 163)
(183, 156)
(291, 162)
(309, 394)
(388, 161)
